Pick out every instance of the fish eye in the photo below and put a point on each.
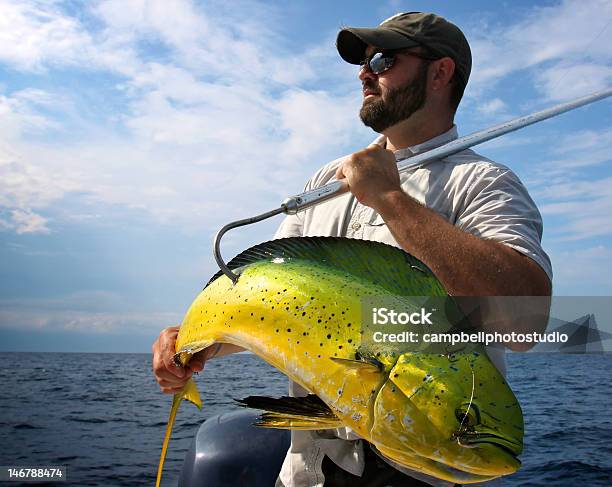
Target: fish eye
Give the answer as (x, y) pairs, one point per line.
(468, 415)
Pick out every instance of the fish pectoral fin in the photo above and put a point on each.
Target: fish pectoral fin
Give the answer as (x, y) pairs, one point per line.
(363, 365)
(280, 421)
(305, 413)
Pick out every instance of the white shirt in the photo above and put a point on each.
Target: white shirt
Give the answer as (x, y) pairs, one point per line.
(473, 193)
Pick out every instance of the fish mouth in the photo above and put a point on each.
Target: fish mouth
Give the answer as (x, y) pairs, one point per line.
(473, 439)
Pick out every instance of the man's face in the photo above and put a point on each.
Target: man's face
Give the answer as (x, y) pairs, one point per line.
(393, 95)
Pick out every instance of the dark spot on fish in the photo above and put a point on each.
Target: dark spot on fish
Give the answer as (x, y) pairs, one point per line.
(350, 340)
(288, 330)
(287, 308)
(318, 321)
(329, 335)
(320, 344)
(339, 346)
(303, 313)
(395, 375)
(348, 325)
(298, 342)
(318, 356)
(262, 318)
(277, 330)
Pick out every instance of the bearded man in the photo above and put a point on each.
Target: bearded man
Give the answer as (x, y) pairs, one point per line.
(470, 220)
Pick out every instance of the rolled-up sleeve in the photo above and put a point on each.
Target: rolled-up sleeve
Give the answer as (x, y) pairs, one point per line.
(498, 207)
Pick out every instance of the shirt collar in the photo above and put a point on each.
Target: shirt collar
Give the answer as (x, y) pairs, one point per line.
(436, 141)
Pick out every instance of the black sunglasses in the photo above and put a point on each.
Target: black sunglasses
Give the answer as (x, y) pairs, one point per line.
(381, 61)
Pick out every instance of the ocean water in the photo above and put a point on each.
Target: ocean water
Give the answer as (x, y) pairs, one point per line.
(103, 416)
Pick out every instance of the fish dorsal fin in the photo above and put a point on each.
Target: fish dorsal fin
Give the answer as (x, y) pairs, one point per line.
(304, 413)
(381, 264)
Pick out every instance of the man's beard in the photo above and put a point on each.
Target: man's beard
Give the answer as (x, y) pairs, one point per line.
(399, 105)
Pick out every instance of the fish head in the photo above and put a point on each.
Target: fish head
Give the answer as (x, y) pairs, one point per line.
(455, 410)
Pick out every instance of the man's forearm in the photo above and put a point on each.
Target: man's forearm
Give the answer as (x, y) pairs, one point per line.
(465, 264)
(470, 266)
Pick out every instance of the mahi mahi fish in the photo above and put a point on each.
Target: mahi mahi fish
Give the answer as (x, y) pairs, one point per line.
(298, 304)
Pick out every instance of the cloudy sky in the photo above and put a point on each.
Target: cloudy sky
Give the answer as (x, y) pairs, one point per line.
(131, 130)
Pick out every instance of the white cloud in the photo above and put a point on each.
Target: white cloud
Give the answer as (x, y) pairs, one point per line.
(35, 34)
(565, 81)
(553, 41)
(584, 206)
(29, 222)
(212, 119)
(313, 119)
(33, 317)
(220, 114)
(572, 188)
(495, 106)
(84, 311)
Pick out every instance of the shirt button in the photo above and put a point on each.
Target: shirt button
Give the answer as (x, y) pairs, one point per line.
(356, 226)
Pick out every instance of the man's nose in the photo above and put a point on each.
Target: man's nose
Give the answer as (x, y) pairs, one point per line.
(365, 73)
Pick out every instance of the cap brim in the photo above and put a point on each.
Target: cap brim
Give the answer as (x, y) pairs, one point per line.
(352, 42)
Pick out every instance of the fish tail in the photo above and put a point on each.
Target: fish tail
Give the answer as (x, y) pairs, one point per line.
(189, 392)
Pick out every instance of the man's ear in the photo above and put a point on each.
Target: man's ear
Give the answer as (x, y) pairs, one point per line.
(443, 70)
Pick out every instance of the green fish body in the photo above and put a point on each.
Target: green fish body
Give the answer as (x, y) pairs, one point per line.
(298, 305)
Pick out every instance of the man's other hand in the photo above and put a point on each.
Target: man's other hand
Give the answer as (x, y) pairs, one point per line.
(171, 378)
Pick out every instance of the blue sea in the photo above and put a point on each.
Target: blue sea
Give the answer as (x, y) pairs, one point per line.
(103, 416)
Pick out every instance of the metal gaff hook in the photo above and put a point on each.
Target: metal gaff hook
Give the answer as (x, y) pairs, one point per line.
(239, 223)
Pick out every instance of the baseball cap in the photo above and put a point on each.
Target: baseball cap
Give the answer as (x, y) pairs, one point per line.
(409, 29)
